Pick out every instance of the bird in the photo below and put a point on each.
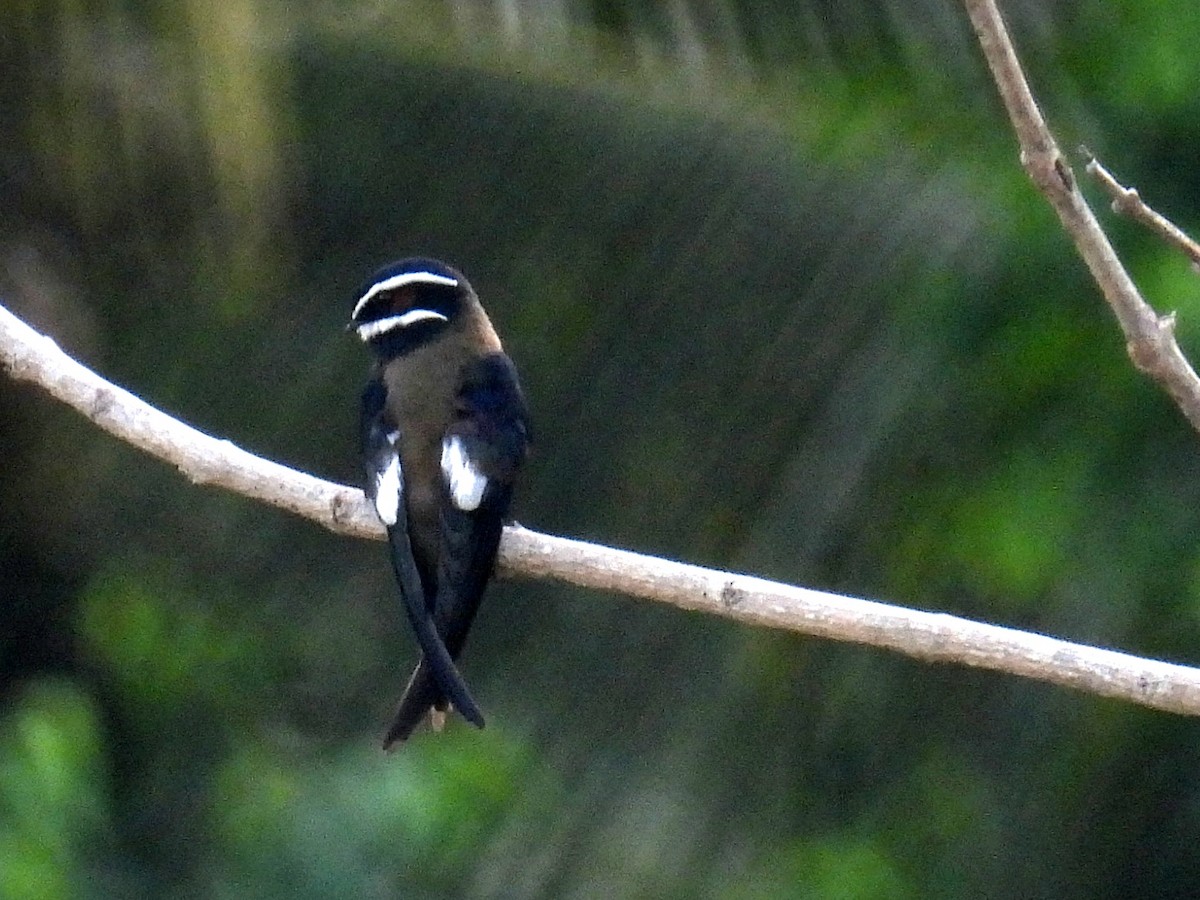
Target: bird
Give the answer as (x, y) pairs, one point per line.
(444, 430)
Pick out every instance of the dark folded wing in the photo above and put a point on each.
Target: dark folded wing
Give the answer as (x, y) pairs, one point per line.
(481, 454)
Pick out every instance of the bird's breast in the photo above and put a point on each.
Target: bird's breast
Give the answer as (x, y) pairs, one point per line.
(420, 397)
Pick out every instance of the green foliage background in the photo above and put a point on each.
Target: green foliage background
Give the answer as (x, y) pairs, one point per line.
(783, 301)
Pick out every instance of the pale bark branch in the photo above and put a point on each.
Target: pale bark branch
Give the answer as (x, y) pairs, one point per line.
(934, 637)
(1126, 201)
(1150, 338)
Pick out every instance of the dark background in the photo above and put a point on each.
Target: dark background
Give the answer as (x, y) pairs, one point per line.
(783, 302)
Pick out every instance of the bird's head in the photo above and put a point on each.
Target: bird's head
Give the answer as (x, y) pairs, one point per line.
(407, 304)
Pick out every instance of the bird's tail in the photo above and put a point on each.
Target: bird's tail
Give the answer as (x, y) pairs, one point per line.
(420, 697)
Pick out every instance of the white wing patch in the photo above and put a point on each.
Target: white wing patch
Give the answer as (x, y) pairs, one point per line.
(397, 281)
(389, 486)
(369, 330)
(465, 481)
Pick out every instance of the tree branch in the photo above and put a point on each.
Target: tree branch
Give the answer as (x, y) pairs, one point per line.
(933, 637)
(1128, 202)
(1150, 338)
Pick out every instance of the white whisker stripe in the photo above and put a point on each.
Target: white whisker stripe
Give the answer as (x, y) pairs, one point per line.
(369, 330)
(390, 284)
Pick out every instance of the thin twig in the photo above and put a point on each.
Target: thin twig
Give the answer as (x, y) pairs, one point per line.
(934, 637)
(1150, 338)
(1127, 201)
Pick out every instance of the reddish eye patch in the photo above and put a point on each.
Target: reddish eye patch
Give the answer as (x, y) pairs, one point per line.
(401, 300)
(394, 302)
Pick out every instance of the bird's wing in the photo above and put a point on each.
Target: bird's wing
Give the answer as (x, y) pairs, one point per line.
(481, 453)
(385, 489)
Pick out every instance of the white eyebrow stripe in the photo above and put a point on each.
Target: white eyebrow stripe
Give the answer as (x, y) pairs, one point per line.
(390, 284)
(369, 330)
(466, 483)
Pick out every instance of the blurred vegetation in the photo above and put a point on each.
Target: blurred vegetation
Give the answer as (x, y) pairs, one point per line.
(782, 301)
